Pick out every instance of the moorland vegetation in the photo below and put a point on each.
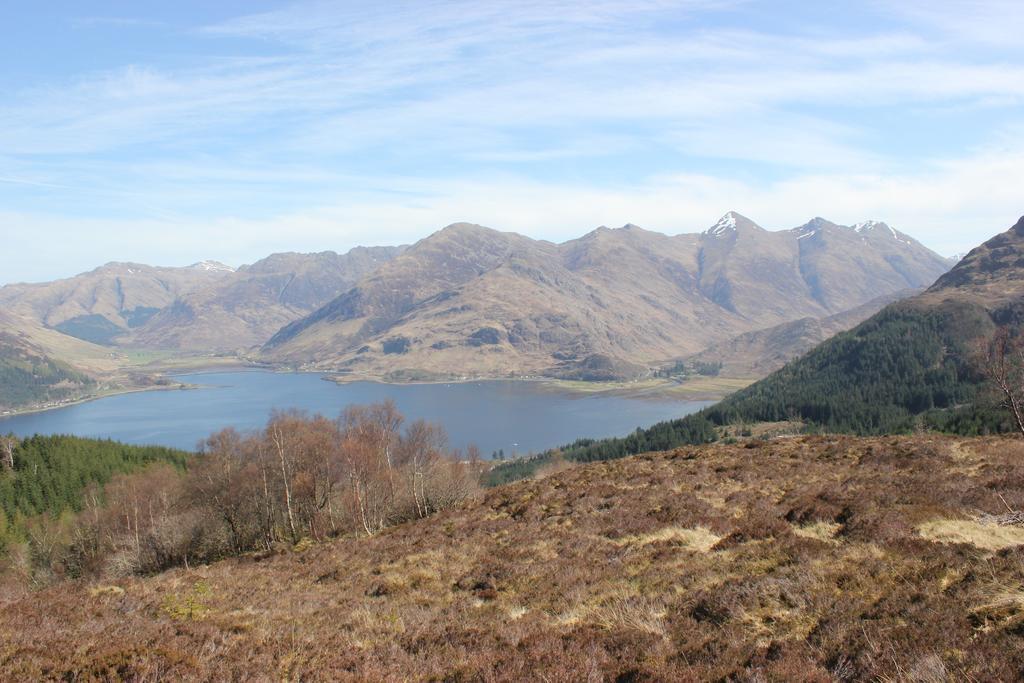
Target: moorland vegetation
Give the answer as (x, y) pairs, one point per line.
(814, 558)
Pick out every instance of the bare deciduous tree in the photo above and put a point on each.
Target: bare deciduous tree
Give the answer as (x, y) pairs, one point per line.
(419, 451)
(7, 445)
(1002, 362)
(300, 477)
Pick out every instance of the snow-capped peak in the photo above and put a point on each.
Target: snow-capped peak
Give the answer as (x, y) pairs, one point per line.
(867, 226)
(725, 225)
(213, 266)
(873, 226)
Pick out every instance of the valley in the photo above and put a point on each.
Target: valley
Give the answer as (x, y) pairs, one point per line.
(850, 510)
(626, 311)
(486, 342)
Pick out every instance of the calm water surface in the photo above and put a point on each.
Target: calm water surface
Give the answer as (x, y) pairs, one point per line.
(517, 417)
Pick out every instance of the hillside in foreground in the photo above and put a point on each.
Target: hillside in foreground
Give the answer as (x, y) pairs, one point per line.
(812, 558)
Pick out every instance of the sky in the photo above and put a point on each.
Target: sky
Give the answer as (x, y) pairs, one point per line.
(169, 133)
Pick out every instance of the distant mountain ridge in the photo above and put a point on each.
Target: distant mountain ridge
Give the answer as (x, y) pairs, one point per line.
(205, 307)
(245, 308)
(106, 302)
(469, 300)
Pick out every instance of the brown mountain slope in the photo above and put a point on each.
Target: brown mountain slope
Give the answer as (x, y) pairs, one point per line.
(758, 353)
(104, 304)
(834, 259)
(249, 306)
(802, 559)
(473, 301)
(85, 357)
(993, 271)
(207, 307)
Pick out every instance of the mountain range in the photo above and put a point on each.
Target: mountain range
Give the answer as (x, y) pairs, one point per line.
(205, 307)
(109, 302)
(469, 300)
(248, 306)
(472, 301)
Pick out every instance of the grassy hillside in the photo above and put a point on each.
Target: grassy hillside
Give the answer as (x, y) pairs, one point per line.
(811, 558)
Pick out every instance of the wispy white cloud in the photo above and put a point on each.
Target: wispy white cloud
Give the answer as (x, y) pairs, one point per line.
(996, 23)
(931, 205)
(325, 122)
(432, 66)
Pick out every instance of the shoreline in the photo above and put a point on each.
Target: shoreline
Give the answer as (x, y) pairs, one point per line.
(19, 412)
(699, 389)
(168, 371)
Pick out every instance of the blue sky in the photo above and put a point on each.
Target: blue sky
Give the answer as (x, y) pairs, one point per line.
(169, 133)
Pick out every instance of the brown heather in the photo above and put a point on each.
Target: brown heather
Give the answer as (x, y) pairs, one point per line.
(811, 558)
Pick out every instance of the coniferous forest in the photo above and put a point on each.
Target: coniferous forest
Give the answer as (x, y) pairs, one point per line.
(904, 369)
(49, 475)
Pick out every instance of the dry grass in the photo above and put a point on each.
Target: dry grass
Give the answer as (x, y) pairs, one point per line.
(980, 535)
(622, 611)
(699, 539)
(793, 559)
(821, 531)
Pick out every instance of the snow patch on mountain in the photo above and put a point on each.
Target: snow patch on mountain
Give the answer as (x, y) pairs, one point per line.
(724, 226)
(873, 226)
(212, 266)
